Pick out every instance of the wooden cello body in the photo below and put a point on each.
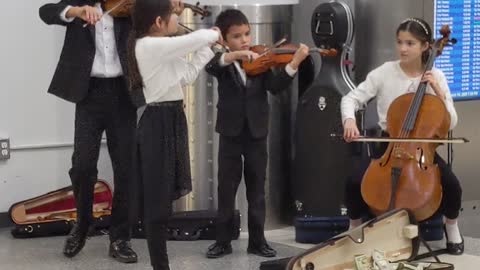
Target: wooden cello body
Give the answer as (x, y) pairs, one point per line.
(417, 185)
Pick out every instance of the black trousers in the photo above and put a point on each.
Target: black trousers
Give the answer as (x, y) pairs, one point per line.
(163, 172)
(230, 165)
(357, 208)
(106, 108)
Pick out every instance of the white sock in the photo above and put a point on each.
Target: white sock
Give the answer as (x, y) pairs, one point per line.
(355, 223)
(453, 233)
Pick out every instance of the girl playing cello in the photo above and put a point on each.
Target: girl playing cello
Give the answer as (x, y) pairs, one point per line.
(386, 83)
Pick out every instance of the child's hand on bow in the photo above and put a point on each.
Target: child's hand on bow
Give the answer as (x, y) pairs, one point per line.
(91, 15)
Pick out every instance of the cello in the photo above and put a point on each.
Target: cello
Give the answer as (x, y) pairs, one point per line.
(406, 175)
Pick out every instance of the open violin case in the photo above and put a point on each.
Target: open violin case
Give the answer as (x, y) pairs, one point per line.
(55, 213)
(395, 233)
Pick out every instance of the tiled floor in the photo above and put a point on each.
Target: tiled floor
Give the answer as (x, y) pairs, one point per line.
(45, 254)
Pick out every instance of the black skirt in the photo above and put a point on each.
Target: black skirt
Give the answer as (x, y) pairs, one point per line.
(162, 160)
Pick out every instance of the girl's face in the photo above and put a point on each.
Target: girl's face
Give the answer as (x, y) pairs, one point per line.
(167, 28)
(172, 26)
(409, 48)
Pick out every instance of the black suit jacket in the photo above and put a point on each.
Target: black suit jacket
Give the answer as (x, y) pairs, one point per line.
(238, 102)
(72, 76)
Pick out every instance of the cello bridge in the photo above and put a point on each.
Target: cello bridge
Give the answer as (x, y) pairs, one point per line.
(400, 153)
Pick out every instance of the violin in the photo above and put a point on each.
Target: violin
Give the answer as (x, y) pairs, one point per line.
(123, 8)
(277, 56)
(118, 8)
(406, 176)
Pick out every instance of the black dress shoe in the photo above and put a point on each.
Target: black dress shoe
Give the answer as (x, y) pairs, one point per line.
(122, 251)
(454, 248)
(218, 250)
(263, 250)
(76, 240)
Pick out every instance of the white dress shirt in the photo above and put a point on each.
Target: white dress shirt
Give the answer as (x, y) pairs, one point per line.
(386, 83)
(163, 65)
(107, 62)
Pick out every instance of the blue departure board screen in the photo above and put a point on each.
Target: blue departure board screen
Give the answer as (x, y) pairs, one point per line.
(460, 63)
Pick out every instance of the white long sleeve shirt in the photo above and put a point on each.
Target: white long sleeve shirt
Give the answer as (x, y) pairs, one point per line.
(106, 63)
(386, 83)
(163, 65)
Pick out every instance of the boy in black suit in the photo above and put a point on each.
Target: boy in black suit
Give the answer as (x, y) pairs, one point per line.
(92, 73)
(242, 122)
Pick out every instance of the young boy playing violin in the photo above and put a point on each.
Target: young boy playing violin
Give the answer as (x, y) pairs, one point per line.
(92, 73)
(242, 121)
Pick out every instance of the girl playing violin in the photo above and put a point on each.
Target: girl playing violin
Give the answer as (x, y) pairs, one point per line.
(158, 70)
(386, 83)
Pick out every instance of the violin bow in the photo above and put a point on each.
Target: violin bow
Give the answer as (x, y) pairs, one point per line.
(110, 10)
(276, 45)
(405, 140)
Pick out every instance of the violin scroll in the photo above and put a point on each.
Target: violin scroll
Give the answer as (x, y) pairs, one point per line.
(197, 10)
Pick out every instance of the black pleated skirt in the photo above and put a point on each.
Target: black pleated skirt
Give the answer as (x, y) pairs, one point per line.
(162, 161)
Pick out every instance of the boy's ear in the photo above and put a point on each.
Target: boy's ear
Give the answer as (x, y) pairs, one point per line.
(224, 40)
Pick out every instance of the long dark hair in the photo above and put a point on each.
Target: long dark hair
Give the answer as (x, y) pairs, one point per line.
(144, 14)
(421, 30)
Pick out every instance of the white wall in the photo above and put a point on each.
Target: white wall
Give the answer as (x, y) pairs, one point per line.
(29, 53)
